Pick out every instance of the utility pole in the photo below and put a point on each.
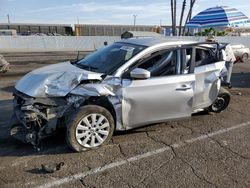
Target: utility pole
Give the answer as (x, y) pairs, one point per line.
(135, 16)
(8, 18)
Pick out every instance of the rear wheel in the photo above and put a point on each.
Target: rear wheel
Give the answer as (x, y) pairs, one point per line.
(221, 102)
(245, 57)
(92, 126)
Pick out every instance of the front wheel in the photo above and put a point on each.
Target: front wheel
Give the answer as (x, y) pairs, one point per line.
(92, 126)
(221, 102)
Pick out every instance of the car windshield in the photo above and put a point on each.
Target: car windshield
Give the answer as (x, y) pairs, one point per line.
(110, 58)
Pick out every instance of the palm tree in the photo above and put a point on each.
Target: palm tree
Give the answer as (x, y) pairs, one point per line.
(182, 14)
(191, 11)
(189, 15)
(173, 15)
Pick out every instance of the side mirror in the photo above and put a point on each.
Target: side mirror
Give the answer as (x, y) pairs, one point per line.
(139, 73)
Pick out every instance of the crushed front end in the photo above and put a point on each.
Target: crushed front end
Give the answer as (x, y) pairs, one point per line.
(37, 118)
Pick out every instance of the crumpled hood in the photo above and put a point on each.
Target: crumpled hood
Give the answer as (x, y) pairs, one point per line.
(54, 80)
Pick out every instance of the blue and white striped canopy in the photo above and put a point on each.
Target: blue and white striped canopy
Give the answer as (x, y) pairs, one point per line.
(218, 17)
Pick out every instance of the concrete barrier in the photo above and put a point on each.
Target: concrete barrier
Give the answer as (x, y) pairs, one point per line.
(79, 43)
(53, 43)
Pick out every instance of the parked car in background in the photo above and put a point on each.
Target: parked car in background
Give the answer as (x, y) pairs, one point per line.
(241, 52)
(128, 84)
(8, 32)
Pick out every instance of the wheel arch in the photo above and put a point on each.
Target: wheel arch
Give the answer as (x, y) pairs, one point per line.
(104, 102)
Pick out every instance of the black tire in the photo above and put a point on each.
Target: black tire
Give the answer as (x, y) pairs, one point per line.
(245, 57)
(75, 119)
(222, 101)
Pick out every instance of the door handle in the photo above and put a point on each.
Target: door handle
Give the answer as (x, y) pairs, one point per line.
(183, 88)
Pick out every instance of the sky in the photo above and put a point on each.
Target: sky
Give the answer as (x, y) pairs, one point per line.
(149, 12)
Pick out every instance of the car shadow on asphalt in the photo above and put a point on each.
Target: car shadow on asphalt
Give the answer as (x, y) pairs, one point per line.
(53, 145)
(241, 80)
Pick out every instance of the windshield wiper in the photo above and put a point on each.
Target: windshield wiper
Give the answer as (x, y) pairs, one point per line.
(88, 67)
(73, 61)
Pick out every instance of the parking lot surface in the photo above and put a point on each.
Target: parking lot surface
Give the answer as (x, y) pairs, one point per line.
(208, 150)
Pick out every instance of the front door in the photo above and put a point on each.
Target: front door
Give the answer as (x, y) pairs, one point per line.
(168, 94)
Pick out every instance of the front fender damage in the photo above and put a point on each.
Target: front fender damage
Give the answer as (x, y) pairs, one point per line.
(37, 118)
(109, 90)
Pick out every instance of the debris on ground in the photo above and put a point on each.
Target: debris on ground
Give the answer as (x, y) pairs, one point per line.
(51, 168)
(4, 65)
(239, 93)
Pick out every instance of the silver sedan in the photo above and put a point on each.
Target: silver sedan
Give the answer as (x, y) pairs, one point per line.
(131, 83)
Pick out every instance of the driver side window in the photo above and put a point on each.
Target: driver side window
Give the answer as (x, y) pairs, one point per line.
(161, 63)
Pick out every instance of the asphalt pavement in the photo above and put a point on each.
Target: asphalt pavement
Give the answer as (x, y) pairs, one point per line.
(207, 150)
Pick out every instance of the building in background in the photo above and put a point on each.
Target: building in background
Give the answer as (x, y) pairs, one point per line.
(28, 28)
(109, 30)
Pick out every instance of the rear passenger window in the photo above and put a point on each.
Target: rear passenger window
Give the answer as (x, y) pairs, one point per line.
(203, 57)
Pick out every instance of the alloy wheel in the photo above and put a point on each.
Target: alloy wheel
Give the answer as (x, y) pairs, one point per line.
(92, 130)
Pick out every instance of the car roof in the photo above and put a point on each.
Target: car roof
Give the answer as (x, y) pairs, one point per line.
(151, 41)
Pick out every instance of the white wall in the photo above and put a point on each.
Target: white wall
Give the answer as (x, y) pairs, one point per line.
(52, 43)
(82, 43)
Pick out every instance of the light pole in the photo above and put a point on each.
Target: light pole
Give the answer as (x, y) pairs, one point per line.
(135, 16)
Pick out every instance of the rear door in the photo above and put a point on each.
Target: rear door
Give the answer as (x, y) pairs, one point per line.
(207, 81)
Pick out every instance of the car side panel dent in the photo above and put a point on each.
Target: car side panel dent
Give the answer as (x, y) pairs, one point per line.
(110, 88)
(92, 90)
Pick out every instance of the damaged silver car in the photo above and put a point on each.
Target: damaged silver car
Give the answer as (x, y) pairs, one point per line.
(126, 85)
